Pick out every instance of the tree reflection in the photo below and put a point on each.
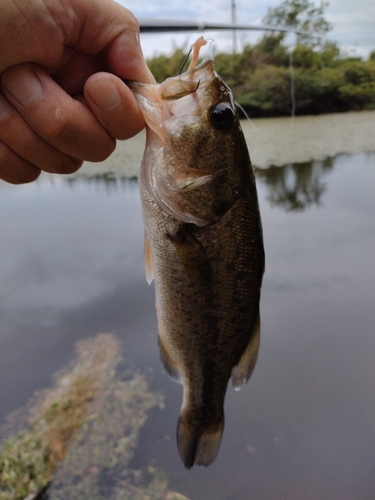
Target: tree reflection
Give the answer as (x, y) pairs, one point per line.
(107, 181)
(296, 186)
(292, 187)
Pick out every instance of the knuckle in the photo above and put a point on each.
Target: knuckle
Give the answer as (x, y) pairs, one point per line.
(132, 28)
(133, 23)
(14, 169)
(56, 125)
(68, 166)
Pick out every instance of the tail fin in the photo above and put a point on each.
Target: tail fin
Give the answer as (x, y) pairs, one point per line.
(198, 445)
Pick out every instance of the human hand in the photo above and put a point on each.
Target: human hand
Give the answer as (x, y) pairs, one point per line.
(60, 101)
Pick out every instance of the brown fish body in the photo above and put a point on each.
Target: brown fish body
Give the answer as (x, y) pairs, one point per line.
(203, 246)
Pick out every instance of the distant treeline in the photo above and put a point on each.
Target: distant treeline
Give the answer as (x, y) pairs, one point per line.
(263, 75)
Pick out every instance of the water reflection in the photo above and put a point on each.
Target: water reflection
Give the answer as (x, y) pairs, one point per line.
(110, 182)
(296, 186)
(292, 187)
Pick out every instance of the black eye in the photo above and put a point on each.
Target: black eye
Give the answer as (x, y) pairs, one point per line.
(222, 116)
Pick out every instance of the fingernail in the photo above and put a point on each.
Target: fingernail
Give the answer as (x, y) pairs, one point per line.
(23, 85)
(105, 95)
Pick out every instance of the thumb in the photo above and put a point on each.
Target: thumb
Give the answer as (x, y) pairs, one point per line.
(114, 105)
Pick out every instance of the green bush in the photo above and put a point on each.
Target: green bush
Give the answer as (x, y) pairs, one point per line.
(260, 77)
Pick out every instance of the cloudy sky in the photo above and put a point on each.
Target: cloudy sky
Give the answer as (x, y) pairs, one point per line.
(353, 22)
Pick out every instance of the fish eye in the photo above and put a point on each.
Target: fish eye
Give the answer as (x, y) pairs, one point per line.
(222, 116)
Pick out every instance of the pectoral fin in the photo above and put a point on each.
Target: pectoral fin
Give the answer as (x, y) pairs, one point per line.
(192, 254)
(148, 261)
(243, 370)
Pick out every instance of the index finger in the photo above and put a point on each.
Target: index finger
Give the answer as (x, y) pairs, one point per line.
(49, 33)
(120, 40)
(127, 61)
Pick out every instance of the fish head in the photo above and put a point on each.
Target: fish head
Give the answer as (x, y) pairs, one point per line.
(196, 157)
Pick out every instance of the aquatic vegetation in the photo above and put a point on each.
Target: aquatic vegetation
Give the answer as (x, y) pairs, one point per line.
(82, 434)
(24, 467)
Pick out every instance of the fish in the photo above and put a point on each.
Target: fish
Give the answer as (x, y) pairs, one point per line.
(203, 245)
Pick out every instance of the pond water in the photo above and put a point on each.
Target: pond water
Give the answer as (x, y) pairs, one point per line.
(304, 426)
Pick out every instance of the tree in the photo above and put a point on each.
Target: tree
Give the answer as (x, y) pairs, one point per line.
(301, 15)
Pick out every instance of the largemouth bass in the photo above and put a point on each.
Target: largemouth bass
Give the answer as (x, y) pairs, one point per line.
(203, 246)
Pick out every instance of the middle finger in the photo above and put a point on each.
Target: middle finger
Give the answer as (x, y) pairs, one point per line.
(20, 138)
(61, 121)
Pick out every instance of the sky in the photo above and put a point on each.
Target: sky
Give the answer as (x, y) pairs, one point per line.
(353, 23)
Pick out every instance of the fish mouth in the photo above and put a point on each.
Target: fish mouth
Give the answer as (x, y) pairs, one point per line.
(190, 81)
(208, 60)
(203, 73)
(193, 68)
(172, 108)
(193, 75)
(170, 101)
(196, 77)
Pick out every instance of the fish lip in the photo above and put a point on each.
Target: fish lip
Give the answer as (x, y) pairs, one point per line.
(133, 85)
(206, 62)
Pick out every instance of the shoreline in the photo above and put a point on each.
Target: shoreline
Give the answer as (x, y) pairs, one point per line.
(271, 142)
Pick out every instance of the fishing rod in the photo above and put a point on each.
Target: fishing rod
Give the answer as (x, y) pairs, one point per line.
(174, 25)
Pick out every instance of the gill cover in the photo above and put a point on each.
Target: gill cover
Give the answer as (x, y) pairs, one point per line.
(187, 115)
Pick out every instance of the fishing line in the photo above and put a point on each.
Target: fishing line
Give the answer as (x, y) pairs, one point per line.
(251, 121)
(293, 81)
(243, 111)
(323, 81)
(264, 136)
(211, 40)
(185, 61)
(292, 87)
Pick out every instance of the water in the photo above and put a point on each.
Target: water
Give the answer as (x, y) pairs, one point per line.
(304, 426)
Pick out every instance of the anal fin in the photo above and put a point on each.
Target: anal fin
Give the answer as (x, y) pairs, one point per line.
(169, 364)
(243, 370)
